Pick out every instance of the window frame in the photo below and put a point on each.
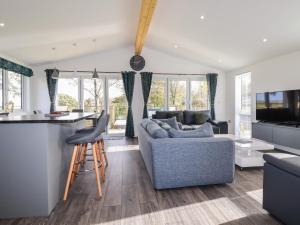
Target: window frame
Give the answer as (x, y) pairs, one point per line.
(240, 114)
(188, 80)
(5, 84)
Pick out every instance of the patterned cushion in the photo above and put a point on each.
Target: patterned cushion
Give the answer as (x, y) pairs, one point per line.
(204, 130)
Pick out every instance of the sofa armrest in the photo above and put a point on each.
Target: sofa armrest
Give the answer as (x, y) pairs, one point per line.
(222, 125)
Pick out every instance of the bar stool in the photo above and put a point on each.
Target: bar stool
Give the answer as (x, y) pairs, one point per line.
(78, 159)
(101, 141)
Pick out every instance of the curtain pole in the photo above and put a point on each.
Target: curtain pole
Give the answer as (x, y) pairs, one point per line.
(110, 72)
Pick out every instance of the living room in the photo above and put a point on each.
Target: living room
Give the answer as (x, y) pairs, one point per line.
(149, 112)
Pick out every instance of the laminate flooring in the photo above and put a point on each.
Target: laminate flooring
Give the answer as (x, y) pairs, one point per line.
(128, 198)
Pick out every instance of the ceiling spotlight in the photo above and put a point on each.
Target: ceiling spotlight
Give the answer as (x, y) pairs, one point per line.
(202, 17)
(2, 24)
(265, 40)
(175, 46)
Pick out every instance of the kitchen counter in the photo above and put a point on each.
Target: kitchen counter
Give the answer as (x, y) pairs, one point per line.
(34, 162)
(41, 118)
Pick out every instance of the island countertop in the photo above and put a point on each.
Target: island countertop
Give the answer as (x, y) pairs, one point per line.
(41, 118)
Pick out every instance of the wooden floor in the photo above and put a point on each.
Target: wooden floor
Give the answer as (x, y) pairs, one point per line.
(130, 199)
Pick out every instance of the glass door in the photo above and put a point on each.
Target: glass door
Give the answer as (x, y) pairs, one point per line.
(117, 106)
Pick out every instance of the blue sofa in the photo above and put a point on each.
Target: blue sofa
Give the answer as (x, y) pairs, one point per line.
(181, 162)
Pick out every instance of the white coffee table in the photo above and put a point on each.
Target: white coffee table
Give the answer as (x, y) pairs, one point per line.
(247, 154)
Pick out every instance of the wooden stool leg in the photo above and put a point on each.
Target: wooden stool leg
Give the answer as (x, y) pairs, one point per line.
(100, 158)
(96, 169)
(70, 171)
(76, 164)
(104, 153)
(84, 153)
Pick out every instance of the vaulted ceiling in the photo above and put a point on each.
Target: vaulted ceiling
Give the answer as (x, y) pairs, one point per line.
(230, 35)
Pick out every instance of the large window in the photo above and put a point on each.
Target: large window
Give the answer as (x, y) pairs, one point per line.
(243, 105)
(93, 95)
(156, 99)
(175, 93)
(67, 94)
(117, 106)
(11, 91)
(199, 95)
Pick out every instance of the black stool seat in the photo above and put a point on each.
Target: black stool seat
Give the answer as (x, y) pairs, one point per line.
(83, 138)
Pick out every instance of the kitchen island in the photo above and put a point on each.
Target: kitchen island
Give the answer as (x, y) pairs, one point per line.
(34, 162)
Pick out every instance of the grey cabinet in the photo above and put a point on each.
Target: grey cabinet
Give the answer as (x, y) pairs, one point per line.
(262, 131)
(277, 134)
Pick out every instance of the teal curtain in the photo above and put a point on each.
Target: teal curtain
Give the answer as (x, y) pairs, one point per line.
(52, 88)
(212, 80)
(14, 67)
(128, 81)
(146, 78)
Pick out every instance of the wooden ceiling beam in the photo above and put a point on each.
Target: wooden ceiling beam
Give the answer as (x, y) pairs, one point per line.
(147, 10)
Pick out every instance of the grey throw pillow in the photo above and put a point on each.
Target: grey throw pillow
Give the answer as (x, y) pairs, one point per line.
(171, 121)
(156, 131)
(201, 118)
(145, 122)
(204, 131)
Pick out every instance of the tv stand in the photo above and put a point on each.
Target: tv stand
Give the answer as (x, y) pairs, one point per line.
(283, 136)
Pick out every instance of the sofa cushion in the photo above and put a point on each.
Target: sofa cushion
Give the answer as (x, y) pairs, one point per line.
(187, 127)
(289, 163)
(169, 114)
(204, 130)
(171, 121)
(200, 118)
(189, 116)
(145, 122)
(156, 131)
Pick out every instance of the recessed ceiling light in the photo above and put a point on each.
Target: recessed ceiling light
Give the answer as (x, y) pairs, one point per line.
(175, 46)
(2, 24)
(202, 17)
(265, 40)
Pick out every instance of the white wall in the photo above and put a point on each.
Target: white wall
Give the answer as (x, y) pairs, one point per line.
(280, 73)
(118, 60)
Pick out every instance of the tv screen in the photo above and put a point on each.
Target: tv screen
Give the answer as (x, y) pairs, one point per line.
(279, 106)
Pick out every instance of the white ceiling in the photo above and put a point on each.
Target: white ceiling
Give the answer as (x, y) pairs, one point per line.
(229, 37)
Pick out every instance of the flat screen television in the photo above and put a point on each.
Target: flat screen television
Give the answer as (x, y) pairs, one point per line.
(278, 107)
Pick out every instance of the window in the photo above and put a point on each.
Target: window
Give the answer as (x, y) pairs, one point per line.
(156, 99)
(243, 105)
(174, 93)
(67, 94)
(14, 90)
(117, 106)
(177, 95)
(11, 91)
(93, 95)
(199, 95)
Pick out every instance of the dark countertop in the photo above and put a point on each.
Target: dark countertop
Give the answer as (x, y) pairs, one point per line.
(41, 118)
